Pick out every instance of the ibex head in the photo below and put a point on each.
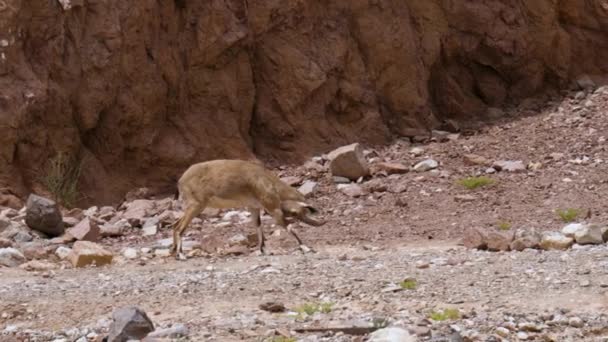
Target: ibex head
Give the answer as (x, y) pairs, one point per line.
(301, 211)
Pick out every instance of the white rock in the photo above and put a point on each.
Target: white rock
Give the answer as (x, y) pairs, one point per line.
(130, 253)
(11, 257)
(417, 151)
(307, 188)
(426, 165)
(62, 252)
(391, 334)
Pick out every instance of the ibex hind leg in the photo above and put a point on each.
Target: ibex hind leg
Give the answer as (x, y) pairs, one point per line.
(257, 222)
(191, 211)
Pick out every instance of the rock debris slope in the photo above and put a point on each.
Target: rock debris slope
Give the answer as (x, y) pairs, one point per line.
(141, 89)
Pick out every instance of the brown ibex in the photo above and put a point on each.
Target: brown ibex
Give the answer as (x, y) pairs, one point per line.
(224, 184)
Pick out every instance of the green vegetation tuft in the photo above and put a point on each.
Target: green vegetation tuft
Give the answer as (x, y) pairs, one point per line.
(61, 178)
(504, 225)
(447, 314)
(569, 214)
(312, 308)
(472, 183)
(409, 284)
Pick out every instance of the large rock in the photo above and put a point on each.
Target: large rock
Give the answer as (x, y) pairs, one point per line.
(474, 238)
(43, 215)
(11, 257)
(348, 161)
(129, 323)
(137, 211)
(525, 238)
(87, 230)
(426, 165)
(391, 334)
(590, 234)
(555, 240)
(86, 253)
(499, 241)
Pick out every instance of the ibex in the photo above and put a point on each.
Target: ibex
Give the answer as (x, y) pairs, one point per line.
(224, 184)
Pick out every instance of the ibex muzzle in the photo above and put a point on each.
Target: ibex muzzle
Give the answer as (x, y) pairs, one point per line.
(227, 184)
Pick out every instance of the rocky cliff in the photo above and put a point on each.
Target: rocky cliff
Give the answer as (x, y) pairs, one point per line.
(141, 89)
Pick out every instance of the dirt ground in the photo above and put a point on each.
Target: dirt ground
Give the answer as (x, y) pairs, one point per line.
(407, 226)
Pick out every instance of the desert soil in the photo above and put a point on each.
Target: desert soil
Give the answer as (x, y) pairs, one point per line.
(369, 245)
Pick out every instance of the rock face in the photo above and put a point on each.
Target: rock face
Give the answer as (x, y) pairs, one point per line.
(44, 216)
(131, 87)
(129, 323)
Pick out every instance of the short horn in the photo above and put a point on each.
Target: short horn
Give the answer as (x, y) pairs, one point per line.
(309, 220)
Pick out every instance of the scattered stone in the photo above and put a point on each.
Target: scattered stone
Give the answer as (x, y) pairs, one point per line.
(391, 334)
(522, 335)
(426, 165)
(571, 229)
(502, 332)
(111, 230)
(137, 211)
(149, 230)
(308, 188)
(348, 161)
(525, 238)
(475, 239)
(585, 83)
(340, 180)
(236, 250)
(162, 252)
(38, 265)
(63, 252)
(70, 221)
(465, 198)
(576, 322)
(86, 230)
(416, 151)
(291, 180)
(509, 166)
(499, 241)
(391, 168)
(86, 253)
(35, 250)
(422, 264)
(129, 323)
(11, 257)
(130, 253)
(5, 243)
(555, 240)
(43, 215)
(590, 234)
(273, 307)
(474, 159)
(352, 190)
(175, 331)
(238, 239)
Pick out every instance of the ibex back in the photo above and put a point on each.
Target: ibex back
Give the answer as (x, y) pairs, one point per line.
(224, 184)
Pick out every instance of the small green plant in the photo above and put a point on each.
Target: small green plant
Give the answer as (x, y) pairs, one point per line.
(409, 284)
(504, 225)
(447, 314)
(380, 323)
(472, 183)
(61, 179)
(281, 339)
(568, 215)
(312, 308)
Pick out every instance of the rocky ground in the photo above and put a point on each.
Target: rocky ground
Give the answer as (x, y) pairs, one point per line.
(390, 253)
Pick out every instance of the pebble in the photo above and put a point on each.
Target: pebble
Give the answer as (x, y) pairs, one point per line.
(576, 322)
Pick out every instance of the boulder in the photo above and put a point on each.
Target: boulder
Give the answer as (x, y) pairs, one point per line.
(525, 238)
(391, 334)
(11, 257)
(86, 253)
(87, 230)
(43, 215)
(349, 162)
(555, 240)
(129, 323)
(499, 241)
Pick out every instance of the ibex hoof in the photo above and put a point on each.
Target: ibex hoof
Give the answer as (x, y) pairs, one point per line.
(306, 249)
(180, 256)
